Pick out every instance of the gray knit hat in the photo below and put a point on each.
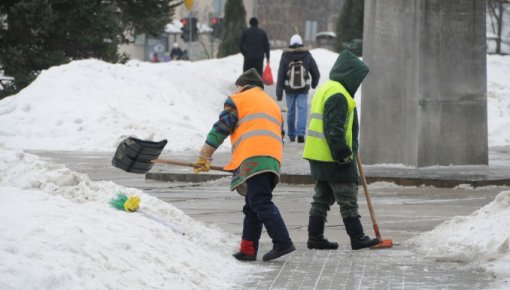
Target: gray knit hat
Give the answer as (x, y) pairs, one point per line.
(250, 77)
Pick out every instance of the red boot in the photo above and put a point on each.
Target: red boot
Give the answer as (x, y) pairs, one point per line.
(248, 252)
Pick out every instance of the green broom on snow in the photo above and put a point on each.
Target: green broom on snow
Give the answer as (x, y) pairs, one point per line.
(126, 203)
(131, 204)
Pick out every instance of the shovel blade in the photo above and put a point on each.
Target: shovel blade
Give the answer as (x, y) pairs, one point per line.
(135, 155)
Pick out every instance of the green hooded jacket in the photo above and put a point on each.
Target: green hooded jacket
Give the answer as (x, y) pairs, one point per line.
(350, 71)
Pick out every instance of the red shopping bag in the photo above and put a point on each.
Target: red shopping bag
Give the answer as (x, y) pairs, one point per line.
(267, 75)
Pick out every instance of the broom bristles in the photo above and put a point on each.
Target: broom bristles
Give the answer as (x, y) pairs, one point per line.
(119, 201)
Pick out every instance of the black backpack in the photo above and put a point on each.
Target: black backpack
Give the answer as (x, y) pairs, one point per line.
(297, 75)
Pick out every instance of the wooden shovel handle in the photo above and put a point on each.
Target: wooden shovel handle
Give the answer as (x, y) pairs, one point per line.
(188, 164)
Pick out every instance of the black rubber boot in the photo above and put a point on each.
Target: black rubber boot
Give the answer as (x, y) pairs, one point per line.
(277, 252)
(355, 231)
(320, 243)
(316, 239)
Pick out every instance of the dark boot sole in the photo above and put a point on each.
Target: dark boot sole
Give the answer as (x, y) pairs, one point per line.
(368, 245)
(244, 257)
(271, 255)
(312, 246)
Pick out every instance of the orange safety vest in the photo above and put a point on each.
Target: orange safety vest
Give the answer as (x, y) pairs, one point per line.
(258, 129)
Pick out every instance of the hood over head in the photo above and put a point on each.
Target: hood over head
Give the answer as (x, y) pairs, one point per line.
(349, 70)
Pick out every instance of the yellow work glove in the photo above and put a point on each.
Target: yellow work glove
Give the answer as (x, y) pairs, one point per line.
(203, 164)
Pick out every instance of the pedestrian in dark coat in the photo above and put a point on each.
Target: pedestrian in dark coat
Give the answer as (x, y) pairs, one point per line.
(330, 148)
(296, 98)
(253, 45)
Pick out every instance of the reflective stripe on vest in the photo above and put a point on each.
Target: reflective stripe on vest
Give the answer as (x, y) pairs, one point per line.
(316, 145)
(258, 130)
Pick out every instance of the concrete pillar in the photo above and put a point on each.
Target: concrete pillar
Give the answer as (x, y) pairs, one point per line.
(424, 101)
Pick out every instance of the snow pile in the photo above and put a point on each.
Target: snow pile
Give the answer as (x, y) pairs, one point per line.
(481, 238)
(90, 105)
(58, 231)
(498, 99)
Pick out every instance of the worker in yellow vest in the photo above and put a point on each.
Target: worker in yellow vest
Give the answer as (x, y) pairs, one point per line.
(330, 146)
(253, 121)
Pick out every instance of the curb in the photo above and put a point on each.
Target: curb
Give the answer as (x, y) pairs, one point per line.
(307, 179)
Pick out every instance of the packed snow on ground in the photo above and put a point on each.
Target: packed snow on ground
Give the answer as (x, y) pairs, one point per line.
(57, 229)
(480, 239)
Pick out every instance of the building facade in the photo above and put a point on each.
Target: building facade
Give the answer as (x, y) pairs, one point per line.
(281, 19)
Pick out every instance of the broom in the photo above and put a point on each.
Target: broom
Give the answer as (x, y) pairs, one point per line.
(382, 243)
(123, 202)
(131, 204)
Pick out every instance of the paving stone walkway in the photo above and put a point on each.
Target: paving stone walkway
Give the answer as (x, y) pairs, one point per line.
(395, 268)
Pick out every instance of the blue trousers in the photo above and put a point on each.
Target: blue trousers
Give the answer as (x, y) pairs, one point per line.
(296, 102)
(260, 210)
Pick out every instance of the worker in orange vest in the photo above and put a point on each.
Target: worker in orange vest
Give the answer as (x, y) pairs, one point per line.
(253, 121)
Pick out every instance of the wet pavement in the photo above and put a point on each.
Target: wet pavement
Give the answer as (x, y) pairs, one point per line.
(402, 212)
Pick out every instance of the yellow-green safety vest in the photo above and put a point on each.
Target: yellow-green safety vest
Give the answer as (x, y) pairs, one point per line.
(316, 145)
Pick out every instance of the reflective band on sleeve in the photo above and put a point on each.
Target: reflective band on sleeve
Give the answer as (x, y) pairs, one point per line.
(256, 133)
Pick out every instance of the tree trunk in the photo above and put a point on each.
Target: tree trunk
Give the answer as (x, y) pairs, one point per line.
(500, 27)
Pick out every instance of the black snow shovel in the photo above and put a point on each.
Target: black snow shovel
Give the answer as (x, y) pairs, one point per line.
(139, 156)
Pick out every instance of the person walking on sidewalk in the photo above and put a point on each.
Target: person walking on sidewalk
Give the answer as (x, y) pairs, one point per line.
(330, 146)
(253, 121)
(296, 74)
(253, 45)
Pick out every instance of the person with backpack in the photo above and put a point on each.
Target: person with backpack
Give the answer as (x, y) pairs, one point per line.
(297, 73)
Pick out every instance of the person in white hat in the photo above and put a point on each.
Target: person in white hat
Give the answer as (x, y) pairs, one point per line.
(297, 73)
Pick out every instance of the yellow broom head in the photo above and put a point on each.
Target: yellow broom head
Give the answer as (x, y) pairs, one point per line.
(123, 202)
